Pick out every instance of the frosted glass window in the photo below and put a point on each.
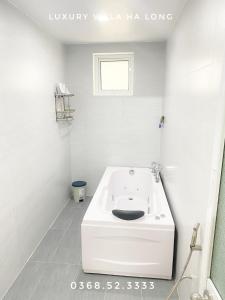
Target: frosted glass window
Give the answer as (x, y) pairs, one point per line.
(113, 74)
(218, 258)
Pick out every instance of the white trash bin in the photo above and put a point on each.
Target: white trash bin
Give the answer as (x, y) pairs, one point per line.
(79, 190)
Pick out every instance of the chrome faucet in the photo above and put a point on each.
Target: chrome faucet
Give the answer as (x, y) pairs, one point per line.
(156, 168)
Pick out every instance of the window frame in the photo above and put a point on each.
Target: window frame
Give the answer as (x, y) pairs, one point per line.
(110, 57)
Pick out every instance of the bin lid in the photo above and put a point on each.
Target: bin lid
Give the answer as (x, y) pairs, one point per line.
(79, 183)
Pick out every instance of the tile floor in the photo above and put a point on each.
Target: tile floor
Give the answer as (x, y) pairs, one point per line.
(57, 262)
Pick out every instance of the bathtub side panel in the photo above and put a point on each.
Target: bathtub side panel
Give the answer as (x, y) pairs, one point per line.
(128, 251)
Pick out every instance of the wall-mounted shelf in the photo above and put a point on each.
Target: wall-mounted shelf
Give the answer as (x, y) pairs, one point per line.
(63, 95)
(63, 109)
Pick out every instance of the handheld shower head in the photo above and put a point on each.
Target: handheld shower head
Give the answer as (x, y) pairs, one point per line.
(196, 227)
(193, 247)
(194, 236)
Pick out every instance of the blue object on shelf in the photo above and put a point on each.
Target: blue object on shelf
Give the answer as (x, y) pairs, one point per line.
(79, 183)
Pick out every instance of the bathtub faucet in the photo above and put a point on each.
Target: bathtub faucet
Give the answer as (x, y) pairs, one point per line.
(156, 168)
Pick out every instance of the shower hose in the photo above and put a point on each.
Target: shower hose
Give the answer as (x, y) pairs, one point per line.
(193, 247)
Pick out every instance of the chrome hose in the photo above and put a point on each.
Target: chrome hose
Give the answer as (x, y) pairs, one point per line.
(181, 276)
(193, 247)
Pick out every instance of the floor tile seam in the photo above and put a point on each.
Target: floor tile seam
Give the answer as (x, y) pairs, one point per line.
(54, 263)
(60, 240)
(36, 285)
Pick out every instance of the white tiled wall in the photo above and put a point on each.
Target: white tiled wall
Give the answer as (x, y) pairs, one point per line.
(115, 130)
(194, 86)
(34, 149)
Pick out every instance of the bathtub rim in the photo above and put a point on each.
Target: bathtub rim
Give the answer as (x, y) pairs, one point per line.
(94, 216)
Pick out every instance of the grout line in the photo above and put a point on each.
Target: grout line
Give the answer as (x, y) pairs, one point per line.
(54, 252)
(49, 228)
(36, 286)
(65, 231)
(54, 263)
(104, 295)
(35, 248)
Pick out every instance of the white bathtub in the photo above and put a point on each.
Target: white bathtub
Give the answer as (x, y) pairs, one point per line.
(141, 247)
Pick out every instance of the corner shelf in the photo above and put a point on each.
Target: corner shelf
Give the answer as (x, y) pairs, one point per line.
(63, 109)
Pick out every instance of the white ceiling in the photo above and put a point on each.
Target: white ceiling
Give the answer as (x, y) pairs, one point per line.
(109, 27)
